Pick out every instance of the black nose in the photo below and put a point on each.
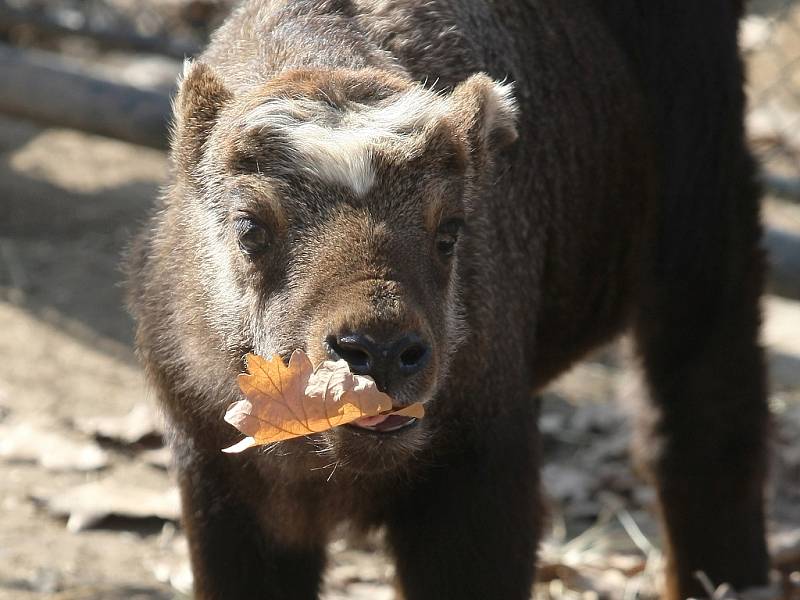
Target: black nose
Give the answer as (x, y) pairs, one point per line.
(384, 361)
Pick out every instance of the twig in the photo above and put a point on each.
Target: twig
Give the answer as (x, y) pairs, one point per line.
(708, 587)
(634, 532)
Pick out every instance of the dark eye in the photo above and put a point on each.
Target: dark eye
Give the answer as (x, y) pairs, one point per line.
(447, 236)
(252, 236)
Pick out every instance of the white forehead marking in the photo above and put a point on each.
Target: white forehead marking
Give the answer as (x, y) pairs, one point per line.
(336, 143)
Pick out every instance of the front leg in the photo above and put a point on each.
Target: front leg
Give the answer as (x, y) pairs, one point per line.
(470, 530)
(232, 555)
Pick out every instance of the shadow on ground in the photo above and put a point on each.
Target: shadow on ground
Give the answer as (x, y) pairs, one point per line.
(62, 236)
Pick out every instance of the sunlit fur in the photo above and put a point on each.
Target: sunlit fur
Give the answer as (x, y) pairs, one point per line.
(336, 142)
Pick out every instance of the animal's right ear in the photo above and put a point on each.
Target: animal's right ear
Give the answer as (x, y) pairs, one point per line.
(201, 96)
(487, 112)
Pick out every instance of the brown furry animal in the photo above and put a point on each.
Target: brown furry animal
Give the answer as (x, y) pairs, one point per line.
(461, 199)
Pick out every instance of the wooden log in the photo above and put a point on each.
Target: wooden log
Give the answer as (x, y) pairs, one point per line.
(42, 87)
(120, 39)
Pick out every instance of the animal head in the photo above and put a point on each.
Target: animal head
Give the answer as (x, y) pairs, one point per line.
(331, 211)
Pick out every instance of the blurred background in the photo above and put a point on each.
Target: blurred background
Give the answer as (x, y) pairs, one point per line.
(87, 506)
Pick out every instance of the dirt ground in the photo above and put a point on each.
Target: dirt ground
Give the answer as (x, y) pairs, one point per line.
(87, 506)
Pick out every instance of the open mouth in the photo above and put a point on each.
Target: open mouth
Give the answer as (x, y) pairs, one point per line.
(383, 423)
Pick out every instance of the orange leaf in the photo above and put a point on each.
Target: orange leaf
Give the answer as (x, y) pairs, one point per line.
(284, 402)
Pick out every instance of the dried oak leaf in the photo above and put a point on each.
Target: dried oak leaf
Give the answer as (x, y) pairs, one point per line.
(284, 402)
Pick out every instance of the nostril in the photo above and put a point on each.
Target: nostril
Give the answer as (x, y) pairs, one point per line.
(351, 350)
(382, 360)
(411, 357)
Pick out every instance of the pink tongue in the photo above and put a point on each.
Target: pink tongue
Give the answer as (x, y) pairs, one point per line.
(370, 421)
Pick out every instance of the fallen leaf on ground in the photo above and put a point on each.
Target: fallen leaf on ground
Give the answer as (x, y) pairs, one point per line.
(121, 494)
(170, 562)
(284, 402)
(161, 458)
(51, 448)
(141, 424)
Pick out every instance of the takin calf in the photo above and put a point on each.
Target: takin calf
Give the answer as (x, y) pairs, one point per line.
(460, 199)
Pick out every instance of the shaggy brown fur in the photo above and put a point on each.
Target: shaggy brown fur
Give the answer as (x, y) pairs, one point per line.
(352, 167)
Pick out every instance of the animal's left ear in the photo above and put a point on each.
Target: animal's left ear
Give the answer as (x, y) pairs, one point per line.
(201, 96)
(486, 112)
